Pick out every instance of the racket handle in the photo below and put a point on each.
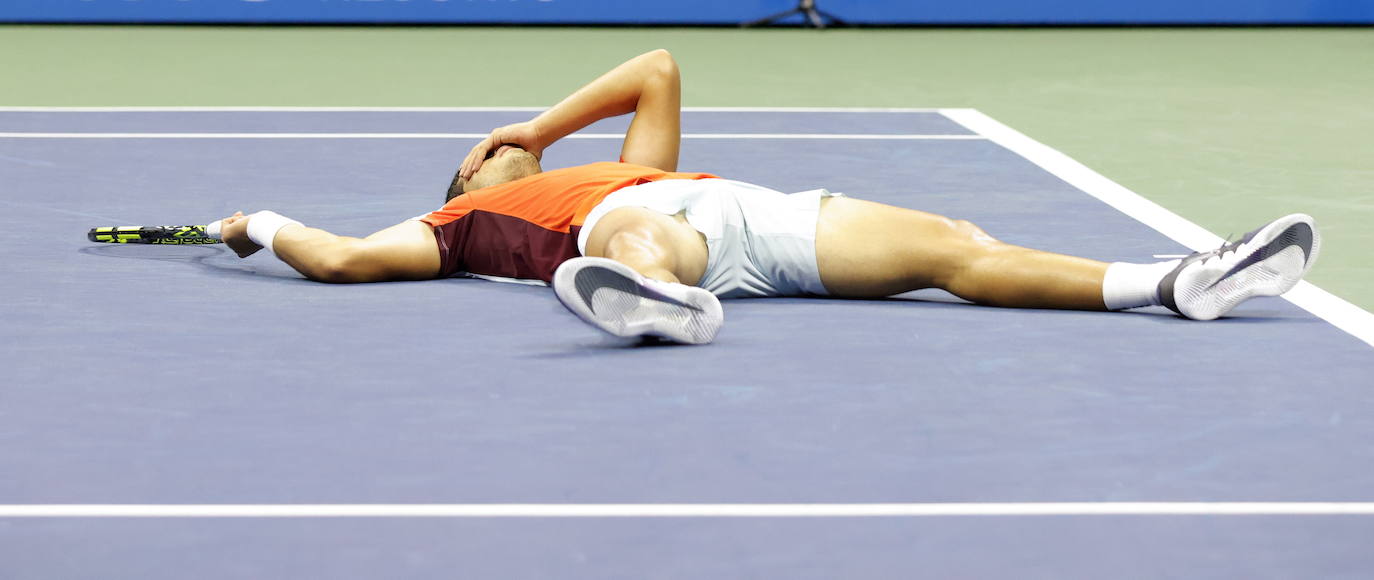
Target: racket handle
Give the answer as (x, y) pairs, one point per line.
(212, 231)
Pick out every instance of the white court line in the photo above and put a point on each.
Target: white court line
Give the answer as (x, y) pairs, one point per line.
(265, 109)
(270, 109)
(1325, 305)
(853, 510)
(839, 136)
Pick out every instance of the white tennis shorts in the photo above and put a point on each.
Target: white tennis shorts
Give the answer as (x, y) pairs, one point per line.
(760, 242)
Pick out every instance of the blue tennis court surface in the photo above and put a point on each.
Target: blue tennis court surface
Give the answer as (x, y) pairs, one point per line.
(158, 377)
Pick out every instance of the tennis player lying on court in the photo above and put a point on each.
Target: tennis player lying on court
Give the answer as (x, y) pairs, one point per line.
(637, 249)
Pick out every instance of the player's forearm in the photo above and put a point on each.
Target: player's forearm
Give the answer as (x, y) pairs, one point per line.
(615, 93)
(316, 253)
(306, 249)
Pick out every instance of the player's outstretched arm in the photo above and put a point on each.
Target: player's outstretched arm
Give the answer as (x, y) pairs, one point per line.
(648, 85)
(405, 251)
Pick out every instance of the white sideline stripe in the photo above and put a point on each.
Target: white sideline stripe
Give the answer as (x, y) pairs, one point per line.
(505, 280)
(270, 109)
(1340, 313)
(843, 136)
(861, 510)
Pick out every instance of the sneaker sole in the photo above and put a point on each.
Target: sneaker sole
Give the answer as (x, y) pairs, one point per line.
(619, 301)
(1277, 268)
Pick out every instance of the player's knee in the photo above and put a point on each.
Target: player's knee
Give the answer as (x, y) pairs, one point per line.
(633, 239)
(972, 251)
(972, 232)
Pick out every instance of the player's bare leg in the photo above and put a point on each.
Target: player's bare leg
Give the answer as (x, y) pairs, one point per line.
(866, 249)
(405, 251)
(638, 277)
(869, 250)
(660, 247)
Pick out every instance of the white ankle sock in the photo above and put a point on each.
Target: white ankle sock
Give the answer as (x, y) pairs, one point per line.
(1134, 285)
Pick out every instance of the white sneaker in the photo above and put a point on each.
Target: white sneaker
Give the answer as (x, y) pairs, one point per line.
(1266, 262)
(614, 298)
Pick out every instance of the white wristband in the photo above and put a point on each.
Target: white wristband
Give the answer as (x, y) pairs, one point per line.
(264, 225)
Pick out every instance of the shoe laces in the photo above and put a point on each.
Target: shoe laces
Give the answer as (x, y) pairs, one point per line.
(1226, 246)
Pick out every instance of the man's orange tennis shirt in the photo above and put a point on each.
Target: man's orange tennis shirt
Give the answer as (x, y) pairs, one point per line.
(526, 228)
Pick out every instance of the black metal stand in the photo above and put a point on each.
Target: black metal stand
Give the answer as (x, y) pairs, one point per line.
(807, 8)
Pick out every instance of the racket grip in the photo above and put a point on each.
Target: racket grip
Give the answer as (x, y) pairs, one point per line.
(213, 230)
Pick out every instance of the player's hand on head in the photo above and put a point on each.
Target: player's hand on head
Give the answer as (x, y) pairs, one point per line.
(526, 135)
(234, 233)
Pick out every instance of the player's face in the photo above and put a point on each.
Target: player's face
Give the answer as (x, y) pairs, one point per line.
(504, 164)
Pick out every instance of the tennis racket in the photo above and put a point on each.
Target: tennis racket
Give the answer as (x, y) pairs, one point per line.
(178, 235)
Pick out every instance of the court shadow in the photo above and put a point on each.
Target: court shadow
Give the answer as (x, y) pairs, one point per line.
(1247, 314)
(1245, 317)
(614, 346)
(162, 253)
(215, 259)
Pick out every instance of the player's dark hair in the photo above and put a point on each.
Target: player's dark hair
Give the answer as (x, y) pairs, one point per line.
(455, 188)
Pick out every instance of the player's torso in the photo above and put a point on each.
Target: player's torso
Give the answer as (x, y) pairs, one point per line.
(526, 228)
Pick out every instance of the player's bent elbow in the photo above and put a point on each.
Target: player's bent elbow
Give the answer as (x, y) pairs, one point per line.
(663, 63)
(659, 54)
(332, 271)
(346, 267)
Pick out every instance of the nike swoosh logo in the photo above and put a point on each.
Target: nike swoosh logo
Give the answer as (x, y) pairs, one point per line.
(590, 279)
(1296, 235)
